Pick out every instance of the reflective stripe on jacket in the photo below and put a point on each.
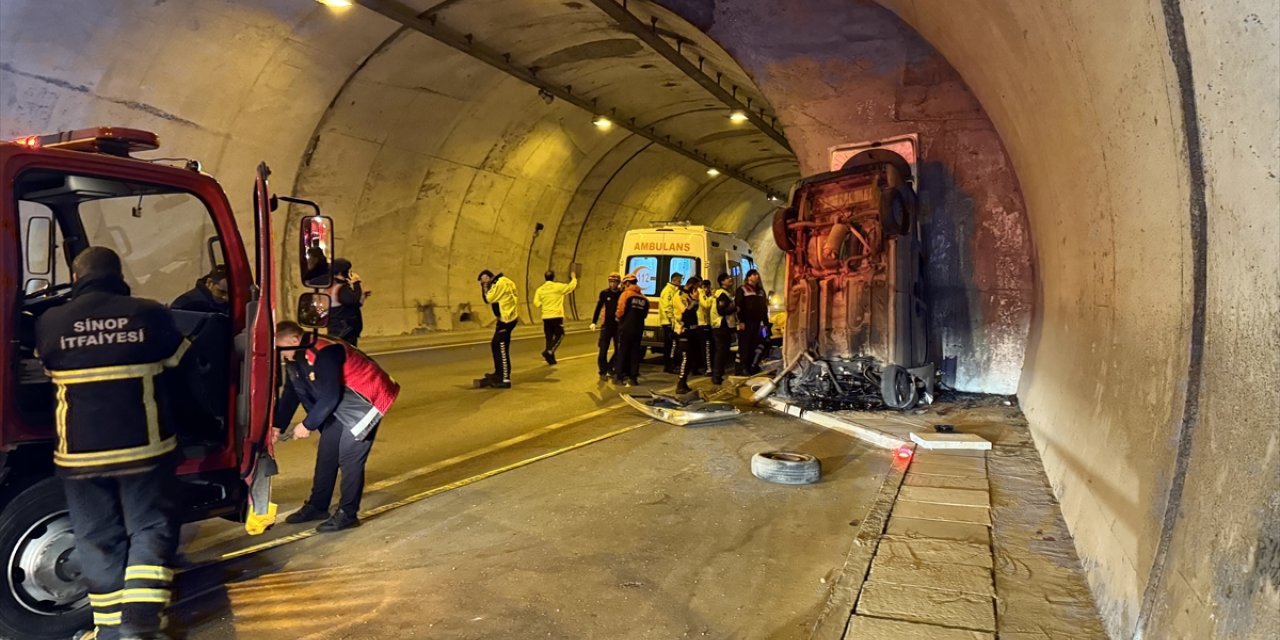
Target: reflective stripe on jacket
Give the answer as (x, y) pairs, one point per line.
(667, 303)
(550, 297)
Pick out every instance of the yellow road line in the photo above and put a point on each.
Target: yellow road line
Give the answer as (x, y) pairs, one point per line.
(418, 497)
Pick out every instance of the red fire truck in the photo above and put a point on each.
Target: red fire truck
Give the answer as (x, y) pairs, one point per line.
(171, 224)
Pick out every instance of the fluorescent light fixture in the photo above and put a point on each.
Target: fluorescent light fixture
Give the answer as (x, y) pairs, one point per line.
(713, 172)
(737, 116)
(339, 4)
(602, 123)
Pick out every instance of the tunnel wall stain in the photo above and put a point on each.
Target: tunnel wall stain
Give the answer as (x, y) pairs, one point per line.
(841, 72)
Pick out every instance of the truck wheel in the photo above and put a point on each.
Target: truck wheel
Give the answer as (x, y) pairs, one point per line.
(781, 217)
(898, 387)
(41, 597)
(895, 212)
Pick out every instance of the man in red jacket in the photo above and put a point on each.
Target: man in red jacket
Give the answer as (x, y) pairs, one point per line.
(345, 394)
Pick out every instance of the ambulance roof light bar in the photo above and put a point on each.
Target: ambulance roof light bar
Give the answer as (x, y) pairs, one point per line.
(116, 141)
(670, 223)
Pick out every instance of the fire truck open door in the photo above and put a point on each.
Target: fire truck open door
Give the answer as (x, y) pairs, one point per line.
(258, 376)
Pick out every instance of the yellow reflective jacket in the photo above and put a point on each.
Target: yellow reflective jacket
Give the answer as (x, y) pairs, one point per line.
(502, 295)
(667, 302)
(705, 302)
(716, 318)
(550, 297)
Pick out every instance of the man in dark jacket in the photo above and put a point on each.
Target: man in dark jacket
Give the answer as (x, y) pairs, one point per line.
(753, 313)
(633, 308)
(108, 354)
(347, 296)
(208, 296)
(606, 319)
(723, 322)
(345, 394)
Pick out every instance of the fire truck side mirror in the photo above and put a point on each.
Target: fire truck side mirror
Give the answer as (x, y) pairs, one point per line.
(316, 251)
(313, 310)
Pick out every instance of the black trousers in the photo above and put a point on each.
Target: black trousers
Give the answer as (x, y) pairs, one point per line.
(748, 344)
(553, 331)
(608, 336)
(668, 346)
(686, 355)
(501, 348)
(126, 536)
(723, 338)
(340, 451)
(700, 345)
(630, 353)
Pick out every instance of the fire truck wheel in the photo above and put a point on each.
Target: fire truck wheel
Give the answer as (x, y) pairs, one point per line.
(895, 212)
(40, 597)
(781, 217)
(784, 467)
(898, 387)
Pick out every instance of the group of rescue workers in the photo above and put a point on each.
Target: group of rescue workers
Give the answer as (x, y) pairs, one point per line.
(698, 325)
(112, 358)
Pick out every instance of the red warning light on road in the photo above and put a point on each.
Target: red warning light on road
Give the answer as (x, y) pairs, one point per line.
(904, 452)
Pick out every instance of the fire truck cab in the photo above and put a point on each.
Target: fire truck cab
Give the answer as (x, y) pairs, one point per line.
(171, 225)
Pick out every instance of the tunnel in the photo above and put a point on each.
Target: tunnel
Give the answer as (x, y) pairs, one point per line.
(1098, 182)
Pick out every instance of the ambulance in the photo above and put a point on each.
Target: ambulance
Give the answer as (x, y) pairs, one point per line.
(665, 248)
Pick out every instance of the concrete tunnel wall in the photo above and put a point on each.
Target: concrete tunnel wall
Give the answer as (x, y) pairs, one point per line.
(1150, 369)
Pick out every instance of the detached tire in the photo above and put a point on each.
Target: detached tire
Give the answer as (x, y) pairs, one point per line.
(40, 598)
(781, 218)
(783, 467)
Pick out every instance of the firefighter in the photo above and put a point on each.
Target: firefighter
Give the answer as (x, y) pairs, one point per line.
(608, 324)
(208, 296)
(666, 315)
(686, 328)
(753, 313)
(108, 354)
(345, 394)
(500, 292)
(723, 323)
(633, 308)
(550, 299)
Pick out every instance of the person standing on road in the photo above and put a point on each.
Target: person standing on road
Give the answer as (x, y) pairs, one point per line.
(208, 296)
(666, 315)
(753, 313)
(723, 323)
(633, 308)
(550, 299)
(686, 328)
(347, 296)
(109, 354)
(705, 341)
(500, 292)
(345, 394)
(608, 325)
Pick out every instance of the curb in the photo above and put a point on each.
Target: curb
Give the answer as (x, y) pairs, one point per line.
(874, 437)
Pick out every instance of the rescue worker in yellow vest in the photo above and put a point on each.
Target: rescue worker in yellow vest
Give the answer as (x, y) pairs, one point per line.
(686, 327)
(500, 293)
(549, 298)
(723, 325)
(666, 316)
(109, 356)
(704, 339)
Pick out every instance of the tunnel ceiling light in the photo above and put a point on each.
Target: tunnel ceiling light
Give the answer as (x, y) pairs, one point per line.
(602, 123)
(713, 172)
(340, 4)
(773, 197)
(737, 117)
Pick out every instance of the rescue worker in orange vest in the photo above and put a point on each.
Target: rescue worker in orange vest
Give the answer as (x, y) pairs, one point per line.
(633, 308)
(345, 395)
(108, 354)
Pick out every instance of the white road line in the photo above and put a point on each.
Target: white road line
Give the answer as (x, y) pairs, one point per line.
(449, 462)
(465, 344)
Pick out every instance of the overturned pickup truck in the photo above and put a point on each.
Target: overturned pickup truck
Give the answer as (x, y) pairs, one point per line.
(856, 311)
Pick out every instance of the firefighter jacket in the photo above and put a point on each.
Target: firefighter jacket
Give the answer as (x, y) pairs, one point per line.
(108, 355)
(333, 379)
(633, 308)
(723, 310)
(667, 303)
(550, 297)
(502, 295)
(608, 303)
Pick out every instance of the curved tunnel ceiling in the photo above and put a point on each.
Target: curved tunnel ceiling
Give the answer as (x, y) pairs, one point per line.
(1124, 299)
